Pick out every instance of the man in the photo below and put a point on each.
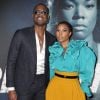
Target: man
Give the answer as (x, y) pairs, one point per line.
(27, 64)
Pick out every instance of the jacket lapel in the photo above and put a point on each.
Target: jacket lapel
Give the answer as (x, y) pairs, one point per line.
(46, 48)
(47, 58)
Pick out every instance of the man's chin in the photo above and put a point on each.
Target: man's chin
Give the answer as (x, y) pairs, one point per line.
(40, 24)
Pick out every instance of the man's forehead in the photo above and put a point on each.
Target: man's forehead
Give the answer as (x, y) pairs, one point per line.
(40, 7)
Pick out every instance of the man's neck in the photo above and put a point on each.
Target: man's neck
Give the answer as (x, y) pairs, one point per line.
(40, 30)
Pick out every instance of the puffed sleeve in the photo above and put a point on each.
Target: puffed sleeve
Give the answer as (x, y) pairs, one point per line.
(51, 59)
(55, 51)
(87, 62)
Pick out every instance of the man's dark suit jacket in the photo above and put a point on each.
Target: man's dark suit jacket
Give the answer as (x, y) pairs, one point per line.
(22, 58)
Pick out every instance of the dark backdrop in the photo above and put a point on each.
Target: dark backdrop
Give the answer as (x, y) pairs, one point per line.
(16, 14)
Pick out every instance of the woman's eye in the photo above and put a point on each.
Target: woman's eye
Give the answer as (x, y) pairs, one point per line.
(90, 6)
(57, 30)
(65, 30)
(68, 6)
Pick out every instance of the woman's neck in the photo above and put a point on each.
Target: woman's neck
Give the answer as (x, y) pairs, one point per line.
(65, 44)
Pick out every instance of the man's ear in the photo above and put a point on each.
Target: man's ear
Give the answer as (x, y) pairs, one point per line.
(48, 19)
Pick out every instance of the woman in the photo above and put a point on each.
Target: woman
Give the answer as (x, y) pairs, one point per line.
(68, 64)
(82, 14)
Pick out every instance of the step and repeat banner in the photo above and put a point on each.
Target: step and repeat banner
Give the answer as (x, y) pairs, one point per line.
(17, 14)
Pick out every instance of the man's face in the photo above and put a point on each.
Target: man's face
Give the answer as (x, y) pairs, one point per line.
(81, 14)
(40, 15)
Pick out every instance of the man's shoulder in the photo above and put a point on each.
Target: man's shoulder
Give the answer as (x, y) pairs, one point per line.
(25, 29)
(49, 34)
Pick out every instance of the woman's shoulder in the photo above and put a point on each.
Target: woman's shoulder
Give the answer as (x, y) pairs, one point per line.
(88, 51)
(82, 47)
(55, 48)
(55, 45)
(77, 44)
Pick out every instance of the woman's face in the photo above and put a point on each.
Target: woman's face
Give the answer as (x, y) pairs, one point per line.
(63, 33)
(82, 14)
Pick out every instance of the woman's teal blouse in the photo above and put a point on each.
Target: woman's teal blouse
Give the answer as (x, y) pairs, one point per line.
(78, 57)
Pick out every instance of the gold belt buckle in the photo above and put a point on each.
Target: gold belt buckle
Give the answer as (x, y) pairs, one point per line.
(65, 76)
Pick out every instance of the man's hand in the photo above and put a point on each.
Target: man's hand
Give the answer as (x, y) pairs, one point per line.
(12, 95)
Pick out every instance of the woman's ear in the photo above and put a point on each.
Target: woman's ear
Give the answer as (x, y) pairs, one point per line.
(70, 34)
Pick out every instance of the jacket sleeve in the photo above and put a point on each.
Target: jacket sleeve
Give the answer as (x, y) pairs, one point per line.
(12, 58)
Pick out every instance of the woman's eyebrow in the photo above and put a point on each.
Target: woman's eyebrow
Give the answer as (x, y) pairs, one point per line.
(89, 0)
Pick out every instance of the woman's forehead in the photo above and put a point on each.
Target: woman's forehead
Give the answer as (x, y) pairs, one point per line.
(76, 1)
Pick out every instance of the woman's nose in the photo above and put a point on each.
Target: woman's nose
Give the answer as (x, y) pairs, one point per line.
(60, 32)
(79, 13)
